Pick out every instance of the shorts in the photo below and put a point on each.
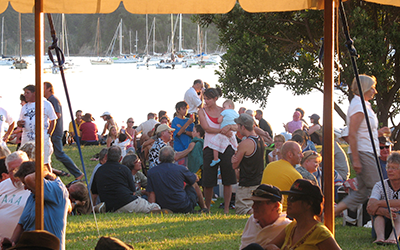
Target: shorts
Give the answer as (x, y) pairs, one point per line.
(139, 205)
(210, 173)
(48, 148)
(244, 206)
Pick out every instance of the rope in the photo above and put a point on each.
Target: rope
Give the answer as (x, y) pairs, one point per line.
(60, 62)
(353, 56)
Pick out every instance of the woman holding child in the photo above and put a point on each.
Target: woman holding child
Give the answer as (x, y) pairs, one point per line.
(209, 121)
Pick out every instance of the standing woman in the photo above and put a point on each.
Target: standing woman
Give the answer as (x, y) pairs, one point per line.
(360, 150)
(209, 121)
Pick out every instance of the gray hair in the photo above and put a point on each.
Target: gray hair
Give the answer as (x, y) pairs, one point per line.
(394, 157)
(29, 149)
(114, 154)
(103, 153)
(129, 161)
(167, 154)
(17, 155)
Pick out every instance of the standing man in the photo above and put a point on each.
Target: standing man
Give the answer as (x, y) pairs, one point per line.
(78, 121)
(194, 98)
(27, 122)
(282, 173)
(249, 158)
(56, 138)
(5, 117)
(262, 123)
(13, 195)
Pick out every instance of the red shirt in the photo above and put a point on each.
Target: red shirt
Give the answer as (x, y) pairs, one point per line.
(88, 131)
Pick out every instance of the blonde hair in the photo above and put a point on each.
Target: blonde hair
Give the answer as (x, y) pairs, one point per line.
(310, 154)
(229, 102)
(280, 137)
(366, 84)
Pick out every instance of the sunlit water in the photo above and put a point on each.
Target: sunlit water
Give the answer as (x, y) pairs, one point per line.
(125, 91)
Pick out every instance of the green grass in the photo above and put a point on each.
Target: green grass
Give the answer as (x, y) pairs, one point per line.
(175, 231)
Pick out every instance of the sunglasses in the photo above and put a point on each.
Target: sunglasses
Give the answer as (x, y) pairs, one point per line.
(382, 147)
(313, 153)
(294, 198)
(130, 121)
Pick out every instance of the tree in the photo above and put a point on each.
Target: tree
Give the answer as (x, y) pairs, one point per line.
(265, 49)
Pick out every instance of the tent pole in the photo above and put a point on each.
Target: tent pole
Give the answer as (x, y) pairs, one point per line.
(327, 157)
(39, 49)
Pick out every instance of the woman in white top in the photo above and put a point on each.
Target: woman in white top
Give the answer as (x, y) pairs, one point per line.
(275, 155)
(360, 150)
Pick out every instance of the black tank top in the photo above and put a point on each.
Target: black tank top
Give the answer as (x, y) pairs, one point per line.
(252, 166)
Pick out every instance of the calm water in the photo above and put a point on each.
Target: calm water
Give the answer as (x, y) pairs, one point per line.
(125, 91)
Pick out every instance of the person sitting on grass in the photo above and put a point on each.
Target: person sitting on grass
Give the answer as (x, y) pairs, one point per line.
(377, 207)
(123, 141)
(220, 142)
(112, 136)
(132, 161)
(309, 165)
(267, 220)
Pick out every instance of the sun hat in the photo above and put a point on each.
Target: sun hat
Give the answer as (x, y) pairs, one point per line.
(163, 127)
(105, 113)
(88, 117)
(246, 120)
(305, 188)
(37, 239)
(265, 192)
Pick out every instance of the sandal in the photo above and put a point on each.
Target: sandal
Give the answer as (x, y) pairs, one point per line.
(62, 173)
(390, 242)
(379, 242)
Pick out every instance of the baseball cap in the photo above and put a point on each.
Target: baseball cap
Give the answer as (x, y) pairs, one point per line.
(265, 192)
(246, 120)
(306, 188)
(314, 116)
(163, 127)
(105, 113)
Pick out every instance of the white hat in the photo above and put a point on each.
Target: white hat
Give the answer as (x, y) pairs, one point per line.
(105, 113)
(163, 127)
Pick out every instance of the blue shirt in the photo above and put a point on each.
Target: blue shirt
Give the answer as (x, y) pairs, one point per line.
(181, 142)
(55, 210)
(229, 117)
(167, 182)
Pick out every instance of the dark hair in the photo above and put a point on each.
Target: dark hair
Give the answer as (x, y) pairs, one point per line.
(25, 169)
(31, 88)
(129, 161)
(114, 154)
(301, 111)
(200, 130)
(122, 137)
(316, 205)
(103, 152)
(180, 105)
(164, 118)
(22, 98)
(212, 93)
(3, 168)
(298, 138)
(258, 111)
(167, 155)
(49, 86)
(155, 129)
(78, 111)
(302, 133)
(161, 113)
(81, 193)
(150, 115)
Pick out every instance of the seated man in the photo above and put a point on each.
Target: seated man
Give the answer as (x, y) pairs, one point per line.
(267, 220)
(164, 135)
(166, 184)
(120, 198)
(377, 205)
(56, 204)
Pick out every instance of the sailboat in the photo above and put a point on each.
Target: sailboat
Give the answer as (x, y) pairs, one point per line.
(20, 63)
(99, 60)
(4, 61)
(122, 58)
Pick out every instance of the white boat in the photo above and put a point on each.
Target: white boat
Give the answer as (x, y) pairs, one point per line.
(6, 61)
(125, 59)
(101, 61)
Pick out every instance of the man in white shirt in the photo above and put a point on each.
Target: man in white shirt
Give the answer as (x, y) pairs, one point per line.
(27, 121)
(13, 195)
(194, 98)
(267, 220)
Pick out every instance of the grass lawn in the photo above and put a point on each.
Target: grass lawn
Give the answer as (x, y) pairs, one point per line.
(175, 231)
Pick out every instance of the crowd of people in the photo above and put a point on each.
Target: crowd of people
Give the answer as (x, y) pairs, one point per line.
(161, 165)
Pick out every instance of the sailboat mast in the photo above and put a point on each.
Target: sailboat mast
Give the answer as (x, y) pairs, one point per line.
(20, 37)
(198, 39)
(120, 37)
(98, 37)
(136, 40)
(205, 43)
(130, 42)
(2, 36)
(154, 35)
(147, 35)
(172, 33)
(180, 32)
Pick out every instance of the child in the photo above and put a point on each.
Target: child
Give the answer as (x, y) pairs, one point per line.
(220, 142)
(123, 142)
(183, 127)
